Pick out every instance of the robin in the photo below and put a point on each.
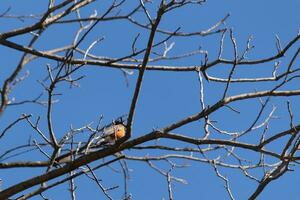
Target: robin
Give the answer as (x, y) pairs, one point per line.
(112, 133)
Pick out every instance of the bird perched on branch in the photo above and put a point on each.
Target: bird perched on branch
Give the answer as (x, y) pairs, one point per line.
(107, 135)
(112, 133)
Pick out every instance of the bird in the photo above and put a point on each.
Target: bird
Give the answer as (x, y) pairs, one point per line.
(112, 133)
(108, 135)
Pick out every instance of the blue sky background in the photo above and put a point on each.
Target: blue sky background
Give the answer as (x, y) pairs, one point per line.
(165, 97)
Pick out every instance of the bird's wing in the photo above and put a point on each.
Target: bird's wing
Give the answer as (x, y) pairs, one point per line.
(109, 131)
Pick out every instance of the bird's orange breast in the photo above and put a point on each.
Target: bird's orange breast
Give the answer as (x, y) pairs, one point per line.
(120, 131)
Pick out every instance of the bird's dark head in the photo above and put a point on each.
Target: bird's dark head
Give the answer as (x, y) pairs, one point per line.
(120, 120)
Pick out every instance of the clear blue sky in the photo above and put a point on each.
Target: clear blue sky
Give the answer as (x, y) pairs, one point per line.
(165, 97)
